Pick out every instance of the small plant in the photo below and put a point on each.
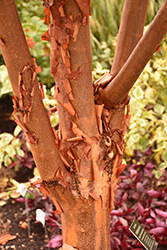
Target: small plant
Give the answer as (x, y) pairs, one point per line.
(35, 201)
(11, 151)
(140, 196)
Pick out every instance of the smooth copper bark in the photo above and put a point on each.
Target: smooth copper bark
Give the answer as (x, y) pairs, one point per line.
(130, 31)
(116, 91)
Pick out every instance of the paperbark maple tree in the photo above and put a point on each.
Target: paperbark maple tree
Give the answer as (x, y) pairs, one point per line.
(80, 165)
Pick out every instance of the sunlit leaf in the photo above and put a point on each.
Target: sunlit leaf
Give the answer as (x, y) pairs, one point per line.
(158, 174)
(138, 93)
(17, 130)
(10, 150)
(135, 137)
(163, 165)
(7, 160)
(20, 152)
(5, 139)
(158, 108)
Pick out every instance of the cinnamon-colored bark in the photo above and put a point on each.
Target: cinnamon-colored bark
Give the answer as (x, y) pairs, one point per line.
(16, 55)
(130, 31)
(79, 169)
(85, 225)
(116, 91)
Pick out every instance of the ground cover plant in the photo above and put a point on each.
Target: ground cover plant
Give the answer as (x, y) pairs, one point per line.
(80, 165)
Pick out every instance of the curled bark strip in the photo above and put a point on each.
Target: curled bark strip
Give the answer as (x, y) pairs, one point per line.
(120, 169)
(75, 139)
(76, 74)
(103, 80)
(44, 191)
(68, 106)
(84, 6)
(42, 90)
(81, 134)
(98, 111)
(104, 196)
(64, 160)
(96, 172)
(23, 104)
(56, 137)
(46, 36)
(47, 15)
(32, 138)
(34, 183)
(118, 149)
(69, 152)
(7, 237)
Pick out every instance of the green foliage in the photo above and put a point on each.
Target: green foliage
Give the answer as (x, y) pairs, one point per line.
(148, 125)
(5, 85)
(10, 147)
(105, 21)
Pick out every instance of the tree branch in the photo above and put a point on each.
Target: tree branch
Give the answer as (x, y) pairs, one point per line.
(81, 56)
(117, 90)
(130, 31)
(28, 102)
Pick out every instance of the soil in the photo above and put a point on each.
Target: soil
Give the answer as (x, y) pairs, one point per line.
(11, 215)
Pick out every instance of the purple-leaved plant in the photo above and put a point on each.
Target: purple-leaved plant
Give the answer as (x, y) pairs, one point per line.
(143, 197)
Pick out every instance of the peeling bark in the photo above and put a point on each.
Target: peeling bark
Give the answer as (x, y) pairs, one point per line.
(17, 56)
(80, 166)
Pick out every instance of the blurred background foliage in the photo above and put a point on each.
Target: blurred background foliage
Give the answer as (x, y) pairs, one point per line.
(148, 126)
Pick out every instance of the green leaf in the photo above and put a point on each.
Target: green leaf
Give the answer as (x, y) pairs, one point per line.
(164, 117)
(16, 143)
(35, 172)
(5, 139)
(20, 152)
(135, 137)
(7, 160)
(5, 86)
(164, 156)
(17, 130)
(158, 108)
(29, 196)
(138, 93)
(141, 122)
(163, 165)
(10, 151)
(158, 174)
(130, 146)
(145, 77)
(150, 95)
(144, 142)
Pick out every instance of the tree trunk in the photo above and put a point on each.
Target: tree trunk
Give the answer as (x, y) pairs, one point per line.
(80, 166)
(86, 225)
